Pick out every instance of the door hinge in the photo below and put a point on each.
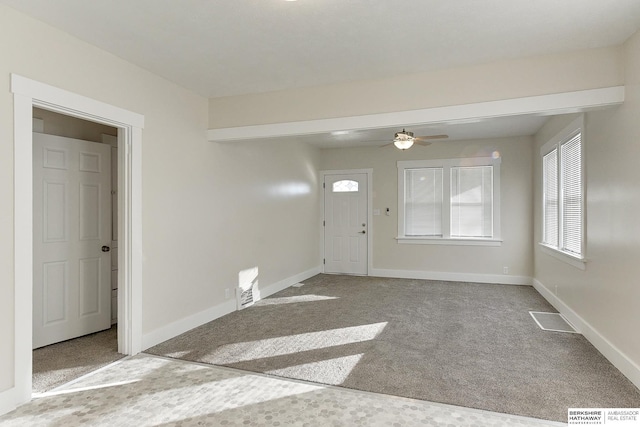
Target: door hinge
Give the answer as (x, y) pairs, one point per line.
(324, 224)
(324, 260)
(324, 185)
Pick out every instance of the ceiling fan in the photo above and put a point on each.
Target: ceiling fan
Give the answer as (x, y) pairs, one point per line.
(405, 139)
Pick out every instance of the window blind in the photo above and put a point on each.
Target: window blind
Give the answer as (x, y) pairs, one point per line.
(472, 201)
(571, 179)
(550, 198)
(423, 202)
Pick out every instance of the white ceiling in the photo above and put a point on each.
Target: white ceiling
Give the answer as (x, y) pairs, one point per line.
(230, 47)
(482, 129)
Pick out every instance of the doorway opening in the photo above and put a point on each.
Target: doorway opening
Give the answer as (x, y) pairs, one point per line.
(75, 240)
(347, 225)
(28, 94)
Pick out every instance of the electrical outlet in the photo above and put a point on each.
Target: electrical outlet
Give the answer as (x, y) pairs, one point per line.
(505, 270)
(227, 293)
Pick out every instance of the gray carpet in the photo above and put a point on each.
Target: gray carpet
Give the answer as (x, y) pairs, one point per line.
(467, 344)
(57, 364)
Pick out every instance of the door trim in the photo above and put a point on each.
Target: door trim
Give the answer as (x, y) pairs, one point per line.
(26, 95)
(370, 231)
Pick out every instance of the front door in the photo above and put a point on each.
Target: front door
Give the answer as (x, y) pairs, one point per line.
(71, 224)
(346, 230)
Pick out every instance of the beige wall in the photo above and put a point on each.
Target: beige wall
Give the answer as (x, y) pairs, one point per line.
(516, 207)
(243, 205)
(508, 79)
(606, 294)
(208, 210)
(71, 127)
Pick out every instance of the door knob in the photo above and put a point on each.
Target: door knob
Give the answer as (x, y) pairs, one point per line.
(106, 249)
(362, 232)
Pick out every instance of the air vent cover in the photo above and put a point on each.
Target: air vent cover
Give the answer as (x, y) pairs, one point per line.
(552, 322)
(245, 298)
(247, 292)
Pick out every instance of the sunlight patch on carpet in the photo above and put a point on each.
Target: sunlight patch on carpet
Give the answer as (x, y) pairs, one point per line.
(333, 371)
(270, 347)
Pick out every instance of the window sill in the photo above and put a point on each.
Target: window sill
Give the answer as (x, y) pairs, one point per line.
(448, 241)
(579, 263)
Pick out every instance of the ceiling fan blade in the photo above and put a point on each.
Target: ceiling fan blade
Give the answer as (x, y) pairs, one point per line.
(432, 137)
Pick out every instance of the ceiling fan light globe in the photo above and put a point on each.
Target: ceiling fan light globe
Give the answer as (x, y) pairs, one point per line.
(403, 144)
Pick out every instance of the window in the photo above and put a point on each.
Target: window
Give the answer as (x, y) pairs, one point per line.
(550, 202)
(345, 186)
(453, 201)
(472, 201)
(423, 202)
(562, 195)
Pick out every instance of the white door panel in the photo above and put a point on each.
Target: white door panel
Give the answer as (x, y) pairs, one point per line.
(54, 291)
(55, 211)
(71, 223)
(346, 230)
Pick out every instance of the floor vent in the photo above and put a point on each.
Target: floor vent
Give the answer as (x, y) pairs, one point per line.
(552, 322)
(297, 285)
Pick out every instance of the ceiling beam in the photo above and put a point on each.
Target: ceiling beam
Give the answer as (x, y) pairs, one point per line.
(543, 105)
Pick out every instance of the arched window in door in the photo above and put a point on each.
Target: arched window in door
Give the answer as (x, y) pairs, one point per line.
(345, 186)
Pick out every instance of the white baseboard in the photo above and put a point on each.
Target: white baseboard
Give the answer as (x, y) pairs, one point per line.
(625, 365)
(284, 284)
(187, 323)
(7, 401)
(504, 279)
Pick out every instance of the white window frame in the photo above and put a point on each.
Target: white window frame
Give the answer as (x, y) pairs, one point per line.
(565, 135)
(446, 238)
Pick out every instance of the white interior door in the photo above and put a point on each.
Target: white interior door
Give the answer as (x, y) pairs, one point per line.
(346, 229)
(71, 224)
